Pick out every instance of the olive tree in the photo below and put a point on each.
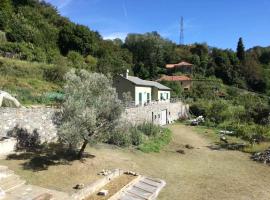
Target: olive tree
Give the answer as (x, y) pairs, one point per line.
(90, 111)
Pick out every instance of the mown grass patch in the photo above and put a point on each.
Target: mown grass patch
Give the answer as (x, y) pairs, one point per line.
(155, 144)
(257, 147)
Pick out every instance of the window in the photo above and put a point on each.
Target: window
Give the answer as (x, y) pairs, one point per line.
(148, 98)
(140, 98)
(167, 95)
(161, 96)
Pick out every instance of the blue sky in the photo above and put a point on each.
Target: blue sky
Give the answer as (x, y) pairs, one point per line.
(218, 22)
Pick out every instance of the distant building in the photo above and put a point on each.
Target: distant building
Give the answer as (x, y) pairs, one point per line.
(142, 92)
(184, 67)
(185, 81)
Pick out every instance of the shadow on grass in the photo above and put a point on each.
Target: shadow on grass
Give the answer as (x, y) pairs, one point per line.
(51, 155)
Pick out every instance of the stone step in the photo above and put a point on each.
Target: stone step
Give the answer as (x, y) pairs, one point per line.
(11, 182)
(6, 174)
(31, 192)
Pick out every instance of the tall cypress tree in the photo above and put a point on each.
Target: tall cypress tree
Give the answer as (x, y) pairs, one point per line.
(241, 50)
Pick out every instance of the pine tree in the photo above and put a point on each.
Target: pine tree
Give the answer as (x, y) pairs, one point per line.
(241, 50)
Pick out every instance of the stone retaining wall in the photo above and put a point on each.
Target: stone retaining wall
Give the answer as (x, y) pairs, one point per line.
(41, 119)
(152, 113)
(31, 119)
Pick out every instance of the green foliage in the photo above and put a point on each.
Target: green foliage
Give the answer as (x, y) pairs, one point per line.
(26, 80)
(5, 13)
(91, 108)
(78, 38)
(147, 137)
(91, 63)
(176, 87)
(151, 50)
(3, 37)
(149, 129)
(241, 50)
(155, 144)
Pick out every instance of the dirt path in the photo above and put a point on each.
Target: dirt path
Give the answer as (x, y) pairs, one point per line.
(199, 174)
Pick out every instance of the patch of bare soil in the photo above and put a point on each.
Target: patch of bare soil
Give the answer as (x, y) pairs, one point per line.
(113, 187)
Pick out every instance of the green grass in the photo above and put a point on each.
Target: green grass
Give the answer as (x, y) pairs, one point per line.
(212, 134)
(25, 80)
(257, 147)
(155, 144)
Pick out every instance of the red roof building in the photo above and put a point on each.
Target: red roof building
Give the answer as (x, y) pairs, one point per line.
(183, 67)
(179, 65)
(185, 81)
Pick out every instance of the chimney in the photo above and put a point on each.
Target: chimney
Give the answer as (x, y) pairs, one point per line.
(127, 73)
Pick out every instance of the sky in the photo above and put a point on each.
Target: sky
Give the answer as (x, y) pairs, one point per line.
(219, 23)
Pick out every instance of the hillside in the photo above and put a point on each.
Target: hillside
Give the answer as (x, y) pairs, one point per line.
(39, 46)
(28, 81)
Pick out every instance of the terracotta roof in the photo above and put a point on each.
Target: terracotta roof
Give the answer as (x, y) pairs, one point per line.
(174, 78)
(181, 64)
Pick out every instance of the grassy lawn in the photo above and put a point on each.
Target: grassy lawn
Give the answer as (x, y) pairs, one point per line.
(199, 174)
(213, 135)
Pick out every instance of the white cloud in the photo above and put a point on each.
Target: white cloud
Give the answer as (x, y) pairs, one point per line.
(111, 36)
(125, 9)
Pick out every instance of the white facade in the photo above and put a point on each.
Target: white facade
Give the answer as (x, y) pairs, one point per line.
(164, 96)
(142, 95)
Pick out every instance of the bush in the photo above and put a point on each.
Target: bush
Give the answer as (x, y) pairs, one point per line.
(136, 136)
(149, 129)
(147, 137)
(120, 138)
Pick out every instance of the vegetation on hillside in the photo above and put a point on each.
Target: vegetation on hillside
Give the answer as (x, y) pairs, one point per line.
(33, 30)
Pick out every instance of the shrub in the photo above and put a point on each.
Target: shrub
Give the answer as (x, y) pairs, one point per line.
(149, 129)
(136, 136)
(120, 138)
(55, 74)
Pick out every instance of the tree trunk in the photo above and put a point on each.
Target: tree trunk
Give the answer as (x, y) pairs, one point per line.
(80, 154)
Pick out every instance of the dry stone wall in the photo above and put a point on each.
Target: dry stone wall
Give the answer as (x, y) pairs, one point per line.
(31, 119)
(41, 119)
(152, 113)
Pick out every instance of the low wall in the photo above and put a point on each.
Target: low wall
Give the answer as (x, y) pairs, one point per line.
(152, 113)
(40, 119)
(31, 119)
(7, 146)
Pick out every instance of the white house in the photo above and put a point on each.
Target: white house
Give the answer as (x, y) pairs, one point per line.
(141, 91)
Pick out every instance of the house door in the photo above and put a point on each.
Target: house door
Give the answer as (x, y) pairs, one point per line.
(163, 118)
(140, 98)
